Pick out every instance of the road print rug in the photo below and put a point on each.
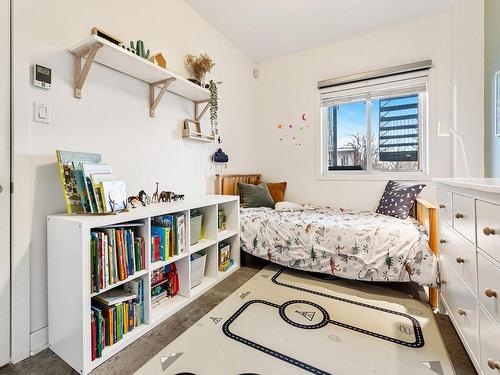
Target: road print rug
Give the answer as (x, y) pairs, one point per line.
(284, 321)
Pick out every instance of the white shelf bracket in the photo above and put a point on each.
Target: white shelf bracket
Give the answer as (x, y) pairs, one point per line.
(81, 73)
(153, 101)
(197, 116)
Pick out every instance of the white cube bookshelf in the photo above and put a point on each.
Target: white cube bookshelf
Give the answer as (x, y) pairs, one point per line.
(69, 272)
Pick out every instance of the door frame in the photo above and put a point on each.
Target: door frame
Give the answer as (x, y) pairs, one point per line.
(5, 179)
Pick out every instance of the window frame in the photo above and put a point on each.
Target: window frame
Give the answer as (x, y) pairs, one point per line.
(340, 94)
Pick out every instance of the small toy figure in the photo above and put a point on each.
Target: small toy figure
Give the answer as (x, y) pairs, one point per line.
(165, 196)
(144, 198)
(133, 200)
(154, 198)
(177, 197)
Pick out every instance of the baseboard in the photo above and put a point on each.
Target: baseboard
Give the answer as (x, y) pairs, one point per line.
(39, 340)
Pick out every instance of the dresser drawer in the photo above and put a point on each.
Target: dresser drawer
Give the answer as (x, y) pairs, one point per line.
(488, 228)
(459, 253)
(490, 344)
(489, 286)
(444, 206)
(463, 216)
(461, 305)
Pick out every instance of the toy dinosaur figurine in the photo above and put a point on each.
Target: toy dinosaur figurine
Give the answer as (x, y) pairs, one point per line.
(154, 198)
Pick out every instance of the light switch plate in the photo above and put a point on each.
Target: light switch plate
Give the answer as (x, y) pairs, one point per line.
(42, 113)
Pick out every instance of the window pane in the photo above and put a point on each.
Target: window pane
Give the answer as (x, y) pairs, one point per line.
(347, 133)
(395, 126)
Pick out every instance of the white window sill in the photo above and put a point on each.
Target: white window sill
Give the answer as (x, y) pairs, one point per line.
(373, 176)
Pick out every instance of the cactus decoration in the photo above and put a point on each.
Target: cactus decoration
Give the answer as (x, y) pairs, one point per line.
(138, 49)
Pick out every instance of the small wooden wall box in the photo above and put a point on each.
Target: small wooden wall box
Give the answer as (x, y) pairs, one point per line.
(158, 59)
(105, 35)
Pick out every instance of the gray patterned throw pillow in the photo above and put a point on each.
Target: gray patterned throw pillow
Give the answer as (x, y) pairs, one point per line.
(398, 199)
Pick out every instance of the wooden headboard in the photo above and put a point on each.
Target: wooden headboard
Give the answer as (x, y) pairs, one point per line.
(228, 184)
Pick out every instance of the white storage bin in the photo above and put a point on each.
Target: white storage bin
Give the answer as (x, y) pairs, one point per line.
(198, 261)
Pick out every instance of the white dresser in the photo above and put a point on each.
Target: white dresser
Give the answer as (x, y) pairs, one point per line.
(469, 248)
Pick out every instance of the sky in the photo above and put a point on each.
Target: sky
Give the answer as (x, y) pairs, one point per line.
(352, 119)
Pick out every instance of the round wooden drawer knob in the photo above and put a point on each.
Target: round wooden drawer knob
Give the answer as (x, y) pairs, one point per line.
(442, 241)
(494, 365)
(459, 215)
(442, 206)
(489, 231)
(462, 312)
(490, 293)
(460, 260)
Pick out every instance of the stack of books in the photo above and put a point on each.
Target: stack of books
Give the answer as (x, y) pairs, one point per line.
(224, 256)
(168, 233)
(116, 254)
(114, 314)
(88, 184)
(164, 284)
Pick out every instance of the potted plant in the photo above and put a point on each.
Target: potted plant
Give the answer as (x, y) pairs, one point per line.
(199, 67)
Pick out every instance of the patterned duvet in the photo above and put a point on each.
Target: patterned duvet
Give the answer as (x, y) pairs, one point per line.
(357, 245)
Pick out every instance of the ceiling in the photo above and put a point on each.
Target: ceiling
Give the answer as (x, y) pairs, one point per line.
(265, 29)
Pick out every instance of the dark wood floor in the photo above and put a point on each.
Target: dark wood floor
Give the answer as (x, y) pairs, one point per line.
(139, 352)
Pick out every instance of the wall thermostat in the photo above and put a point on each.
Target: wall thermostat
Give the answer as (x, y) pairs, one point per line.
(42, 76)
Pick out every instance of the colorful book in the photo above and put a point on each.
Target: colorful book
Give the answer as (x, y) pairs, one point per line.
(93, 335)
(114, 195)
(94, 174)
(224, 256)
(180, 230)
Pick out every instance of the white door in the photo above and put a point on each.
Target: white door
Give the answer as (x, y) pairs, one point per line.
(4, 182)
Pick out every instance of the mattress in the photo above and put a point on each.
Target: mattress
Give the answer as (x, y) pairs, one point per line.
(358, 245)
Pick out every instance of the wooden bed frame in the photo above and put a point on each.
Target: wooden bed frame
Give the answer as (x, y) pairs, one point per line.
(423, 211)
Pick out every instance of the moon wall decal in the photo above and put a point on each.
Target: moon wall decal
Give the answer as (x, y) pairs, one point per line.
(304, 117)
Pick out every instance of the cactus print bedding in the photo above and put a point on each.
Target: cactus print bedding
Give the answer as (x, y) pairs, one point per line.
(358, 245)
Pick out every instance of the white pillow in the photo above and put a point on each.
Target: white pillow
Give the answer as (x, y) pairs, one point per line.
(288, 206)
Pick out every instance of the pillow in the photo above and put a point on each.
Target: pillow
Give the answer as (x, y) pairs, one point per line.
(255, 195)
(398, 199)
(288, 206)
(277, 191)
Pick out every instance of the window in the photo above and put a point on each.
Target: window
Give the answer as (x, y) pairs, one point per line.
(375, 126)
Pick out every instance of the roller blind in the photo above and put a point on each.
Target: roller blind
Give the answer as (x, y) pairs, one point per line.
(386, 87)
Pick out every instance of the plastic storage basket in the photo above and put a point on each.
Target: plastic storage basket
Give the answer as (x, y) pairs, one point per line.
(195, 227)
(198, 261)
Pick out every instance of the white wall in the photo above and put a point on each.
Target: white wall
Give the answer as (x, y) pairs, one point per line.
(287, 87)
(467, 84)
(112, 118)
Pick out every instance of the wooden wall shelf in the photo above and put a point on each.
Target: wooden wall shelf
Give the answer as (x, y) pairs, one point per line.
(101, 51)
(187, 134)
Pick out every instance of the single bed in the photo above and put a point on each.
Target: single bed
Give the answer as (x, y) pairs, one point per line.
(359, 245)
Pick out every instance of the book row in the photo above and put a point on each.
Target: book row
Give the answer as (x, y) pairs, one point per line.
(168, 236)
(114, 314)
(164, 284)
(116, 254)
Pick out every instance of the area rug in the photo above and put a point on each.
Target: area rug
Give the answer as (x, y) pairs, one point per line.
(284, 321)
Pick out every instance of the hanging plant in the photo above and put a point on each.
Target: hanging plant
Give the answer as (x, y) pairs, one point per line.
(214, 107)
